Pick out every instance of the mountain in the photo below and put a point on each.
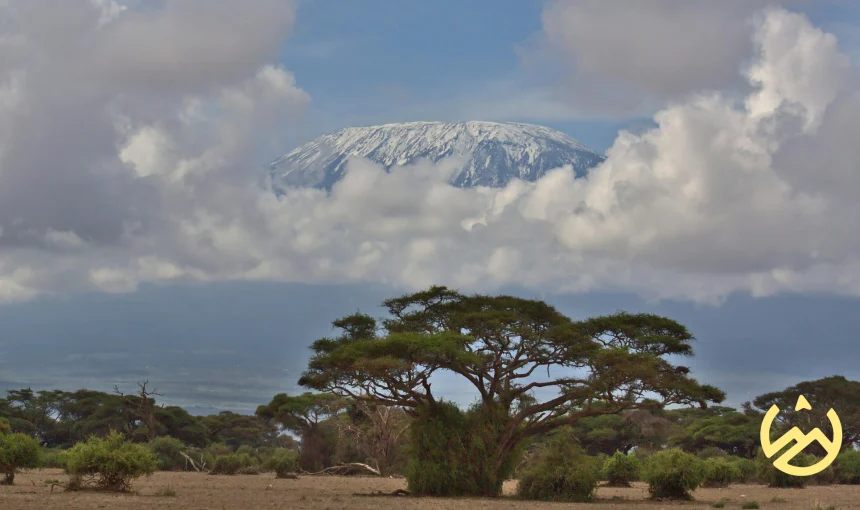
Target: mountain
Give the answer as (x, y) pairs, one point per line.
(497, 152)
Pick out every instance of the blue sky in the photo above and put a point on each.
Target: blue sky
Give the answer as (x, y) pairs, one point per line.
(379, 61)
(134, 243)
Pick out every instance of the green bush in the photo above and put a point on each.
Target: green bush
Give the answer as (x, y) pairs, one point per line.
(168, 450)
(746, 469)
(453, 453)
(720, 473)
(562, 472)
(826, 476)
(282, 462)
(773, 477)
(109, 463)
(672, 474)
(229, 464)
(619, 470)
(17, 451)
(750, 505)
(50, 458)
(848, 467)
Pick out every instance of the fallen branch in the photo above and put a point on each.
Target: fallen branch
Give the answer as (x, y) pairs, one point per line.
(189, 459)
(398, 492)
(345, 469)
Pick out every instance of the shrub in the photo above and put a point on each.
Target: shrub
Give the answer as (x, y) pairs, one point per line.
(773, 477)
(17, 451)
(619, 470)
(562, 472)
(109, 463)
(168, 450)
(826, 476)
(672, 474)
(746, 469)
(720, 503)
(848, 467)
(50, 458)
(719, 472)
(750, 505)
(282, 462)
(229, 464)
(453, 453)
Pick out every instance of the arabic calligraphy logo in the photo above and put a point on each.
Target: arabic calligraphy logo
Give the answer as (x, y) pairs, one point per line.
(803, 440)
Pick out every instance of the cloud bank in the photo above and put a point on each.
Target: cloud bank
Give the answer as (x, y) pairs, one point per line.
(127, 141)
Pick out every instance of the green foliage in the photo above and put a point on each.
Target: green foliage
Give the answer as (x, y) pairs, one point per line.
(5, 426)
(720, 503)
(826, 476)
(750, 505)
(109, 463)
(710, 452)
(282, 462)
(729, 432)
(773, 477)
(168, 450)
(17, 451)
(620, 470)
(746, 469)
(673, 474)
(50, 458)
(562, 472)
(719, 472)
(835, 392)
(453, 453)
(778, 500)
(229, 464)
(848, 467)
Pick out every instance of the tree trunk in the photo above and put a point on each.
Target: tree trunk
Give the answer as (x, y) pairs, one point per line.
(10, 477)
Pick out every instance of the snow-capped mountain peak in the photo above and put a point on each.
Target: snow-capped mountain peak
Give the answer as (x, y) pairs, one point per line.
(495, 152)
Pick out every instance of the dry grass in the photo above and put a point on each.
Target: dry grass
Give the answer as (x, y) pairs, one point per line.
(197, 492)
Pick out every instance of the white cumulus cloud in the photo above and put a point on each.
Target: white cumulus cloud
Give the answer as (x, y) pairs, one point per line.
(137, 166)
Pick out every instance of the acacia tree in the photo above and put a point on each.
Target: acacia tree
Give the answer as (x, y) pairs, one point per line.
(508, 349)
(306, 416)
(834, 392)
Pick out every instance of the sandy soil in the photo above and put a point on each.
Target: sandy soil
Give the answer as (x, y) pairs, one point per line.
(245, 492)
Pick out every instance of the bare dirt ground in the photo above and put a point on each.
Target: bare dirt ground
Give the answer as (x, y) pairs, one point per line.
(246, 492)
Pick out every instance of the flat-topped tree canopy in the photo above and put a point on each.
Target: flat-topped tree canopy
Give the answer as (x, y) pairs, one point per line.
(506, 347)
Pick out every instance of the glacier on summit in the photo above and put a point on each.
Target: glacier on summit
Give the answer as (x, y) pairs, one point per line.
(495, 152)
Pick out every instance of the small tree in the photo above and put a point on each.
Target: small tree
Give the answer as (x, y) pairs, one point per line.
(620, 469)
(307, 416)
(673, 474)
(561, 472)
(282, 462)
(109, 463)
(17, 451)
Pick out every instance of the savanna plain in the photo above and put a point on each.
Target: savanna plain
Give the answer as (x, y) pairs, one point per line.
(201, 491)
